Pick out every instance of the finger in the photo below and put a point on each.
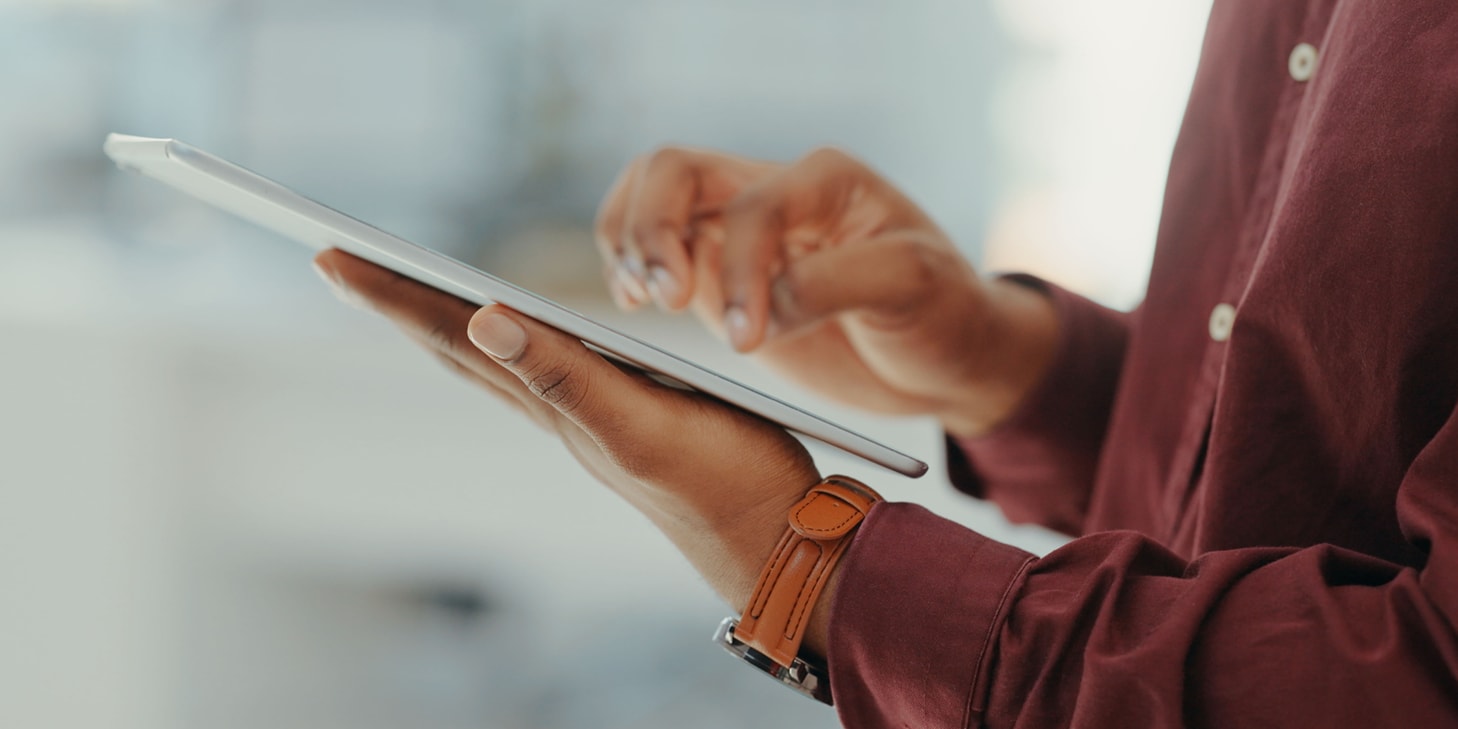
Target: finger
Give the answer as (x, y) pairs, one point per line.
(425, 313)
(487, 375)
(433, 319)
(889, 275)
(627, 290)
(581, 385)
(625, 294)
(659, 214)
(810, 193)
(708, 298)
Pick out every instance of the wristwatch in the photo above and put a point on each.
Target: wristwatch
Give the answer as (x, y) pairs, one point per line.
(769, 633)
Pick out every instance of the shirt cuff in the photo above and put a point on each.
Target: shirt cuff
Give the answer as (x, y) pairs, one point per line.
(913, 621)
(1039, 463)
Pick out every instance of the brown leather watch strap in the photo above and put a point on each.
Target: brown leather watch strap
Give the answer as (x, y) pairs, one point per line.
(821, 527)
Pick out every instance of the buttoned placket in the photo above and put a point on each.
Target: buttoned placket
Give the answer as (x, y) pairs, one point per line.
(1224, 313)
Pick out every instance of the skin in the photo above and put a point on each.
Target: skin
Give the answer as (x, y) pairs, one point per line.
(825, 273)
(819, 269)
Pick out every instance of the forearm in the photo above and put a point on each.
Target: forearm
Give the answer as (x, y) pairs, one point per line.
(1116, 631)
(730, 548)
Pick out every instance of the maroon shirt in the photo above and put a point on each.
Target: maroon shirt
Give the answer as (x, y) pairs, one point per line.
(1268, 504)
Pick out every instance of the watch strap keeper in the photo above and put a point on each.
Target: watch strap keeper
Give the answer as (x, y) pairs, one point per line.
(821, 527)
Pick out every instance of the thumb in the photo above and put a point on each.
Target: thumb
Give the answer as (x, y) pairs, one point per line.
(556, 367)
(892, 275)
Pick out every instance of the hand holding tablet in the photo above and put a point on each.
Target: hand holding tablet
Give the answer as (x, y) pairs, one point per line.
(820, 268)
(274, 206)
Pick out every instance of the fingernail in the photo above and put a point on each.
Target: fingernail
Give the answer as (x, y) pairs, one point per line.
(340, 291)
(663, 286)
(620, 296)
(498, 336)
(632, 285)
(737, 322)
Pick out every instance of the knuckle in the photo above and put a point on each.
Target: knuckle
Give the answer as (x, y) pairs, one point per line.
(833, 158)
(608, 221)
(922, 265)
(756, 207)
(633, 465)
(608, 224)
(452, 364)
(558, 386)
(739, 205)
(666, 158)
(605, 224)
(647, 234)
(388, 286)
(445, 338)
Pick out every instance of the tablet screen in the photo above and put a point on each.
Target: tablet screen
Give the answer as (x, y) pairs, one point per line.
(276, 207)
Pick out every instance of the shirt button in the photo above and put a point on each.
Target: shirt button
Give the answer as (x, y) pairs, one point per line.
(1302, 62)
(1222, 319)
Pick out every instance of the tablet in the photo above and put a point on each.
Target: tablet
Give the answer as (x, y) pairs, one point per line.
(273, 206)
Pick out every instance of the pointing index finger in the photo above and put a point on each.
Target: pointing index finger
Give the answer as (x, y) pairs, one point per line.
(809, 196)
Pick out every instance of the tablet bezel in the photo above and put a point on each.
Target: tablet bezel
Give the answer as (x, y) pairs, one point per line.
(280, 209)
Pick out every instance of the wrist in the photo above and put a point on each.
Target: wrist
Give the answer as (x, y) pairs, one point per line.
(754, 540)
(1017, 339)
(817, 632)
(729, 540)
(783, 628)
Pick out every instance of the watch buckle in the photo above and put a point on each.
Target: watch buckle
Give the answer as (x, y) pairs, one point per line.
(800, 675)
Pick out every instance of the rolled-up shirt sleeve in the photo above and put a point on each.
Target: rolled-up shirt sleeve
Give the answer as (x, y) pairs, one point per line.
(934, 625)
(913, 619)
(1039, 464)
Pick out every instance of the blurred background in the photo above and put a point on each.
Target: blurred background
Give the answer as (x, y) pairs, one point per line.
(228, 501)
